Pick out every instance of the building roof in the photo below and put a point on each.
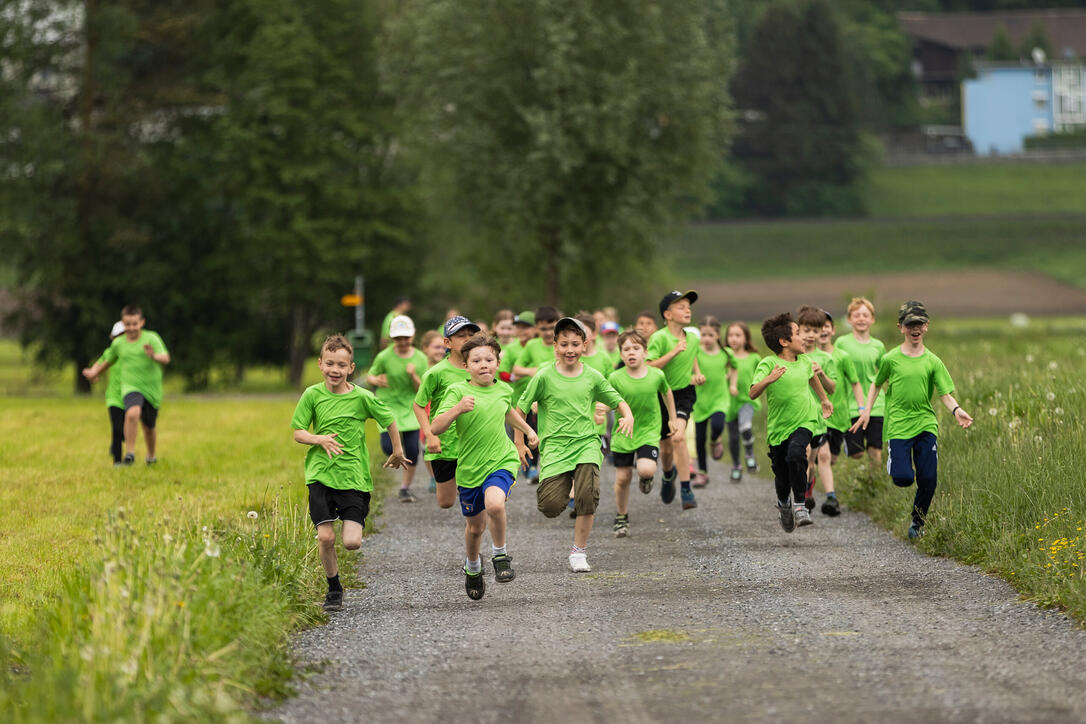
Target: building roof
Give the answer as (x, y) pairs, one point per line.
(1066, 28)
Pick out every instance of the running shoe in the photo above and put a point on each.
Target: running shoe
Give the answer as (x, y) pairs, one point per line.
(831, 507)
(788, 521)
(621, 527)
(645, 484)
(687, 496)
(699, 480)
(433, 485)
(915, 531)
(809, 503)
(333, 601)
(737, 474)
(503, 568)
(802, 516)
(578, 563)
(667, 486)
(406, 496)
(752, 465)
(718, 449)
(151, 461)
(474, 585)
(129, 459)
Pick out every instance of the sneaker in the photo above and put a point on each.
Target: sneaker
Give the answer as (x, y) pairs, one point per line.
(752, 465)
(578, 563)
(533, 475)
(915, 531)
(433, 485)
(809, 503)
(667, 485)
(831, 507)
(333, 601)
(802, 516)
(699, 480)
(474, 585)
(687, 496)
(406, 496)
(621, 526)
(645, 484)
(151, 461)
(718, 449)
(788, 521)
(503, 568)
(129, 459)
(737, 474)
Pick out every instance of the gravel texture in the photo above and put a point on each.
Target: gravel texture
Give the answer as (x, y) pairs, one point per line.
(713, 614)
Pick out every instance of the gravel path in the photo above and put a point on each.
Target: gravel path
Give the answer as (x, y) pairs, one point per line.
(710, 615)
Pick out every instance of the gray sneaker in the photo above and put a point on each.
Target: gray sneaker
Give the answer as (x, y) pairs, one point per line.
(788, 522)
(406, 496)
(802, 516)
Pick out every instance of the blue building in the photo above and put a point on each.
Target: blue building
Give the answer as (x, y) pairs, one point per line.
(1005, 103)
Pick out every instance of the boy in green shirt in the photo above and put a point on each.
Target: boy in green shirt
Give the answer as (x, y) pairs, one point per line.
(643, 388)
(866, 353)
(396, 374)
(913, 375)
(569, 448)
(488, 462)
(337, 470)
(441, 450)
(537, 353)
(847, 391)
(785, 377)
(140, 356)
(674, 349)
(810, 321)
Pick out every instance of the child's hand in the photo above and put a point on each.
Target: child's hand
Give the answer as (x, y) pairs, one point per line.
(777, 373)
(330, 444)
(397, 460)
(861, 422)
(672, 428)
(532, 440)
(524, 454)
(149, 351)
(963, 418)
(410, 369)
(827, 409)
(466, 404)
(816, 368)
(625, 425)
(379, 380)
(733, 390)
(601, 413)
(433, 444)
(91, 377)
(698, 379)
(681, 346)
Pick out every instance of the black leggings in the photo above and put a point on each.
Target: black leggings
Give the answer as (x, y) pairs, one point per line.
(716, 422)
(734, 435)
(789, 461)
(116, 422)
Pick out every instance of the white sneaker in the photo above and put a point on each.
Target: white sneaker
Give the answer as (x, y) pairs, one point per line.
(578, 563)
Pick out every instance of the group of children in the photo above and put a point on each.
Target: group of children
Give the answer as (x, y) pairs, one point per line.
(548, 396)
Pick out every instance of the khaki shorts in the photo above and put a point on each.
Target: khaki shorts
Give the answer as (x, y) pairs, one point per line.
(552, 495)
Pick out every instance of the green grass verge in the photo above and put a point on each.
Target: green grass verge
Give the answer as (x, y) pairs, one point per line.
(143, 594)
(977, 189)
(814, 248)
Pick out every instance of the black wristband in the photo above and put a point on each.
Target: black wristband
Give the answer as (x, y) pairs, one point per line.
(955, 410)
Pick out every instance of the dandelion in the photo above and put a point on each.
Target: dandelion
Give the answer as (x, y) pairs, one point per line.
(1029, 358)
(180, 604)
(1050, 396)
(1053, 365)
(167, 538)
(1058, 411)
(267, 535)
(211, 549)
(253, 515)
(1038, 439)
(992, 411)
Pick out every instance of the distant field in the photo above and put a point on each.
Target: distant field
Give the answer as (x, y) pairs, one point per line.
(977, 189)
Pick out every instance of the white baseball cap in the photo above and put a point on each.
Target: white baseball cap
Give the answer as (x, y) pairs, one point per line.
(401, 326)
(117, 331)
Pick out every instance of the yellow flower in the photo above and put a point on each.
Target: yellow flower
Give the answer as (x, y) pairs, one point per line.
(180, 604)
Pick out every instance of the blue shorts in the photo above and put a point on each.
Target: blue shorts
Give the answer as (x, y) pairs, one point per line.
(919, 454)
(472, 499)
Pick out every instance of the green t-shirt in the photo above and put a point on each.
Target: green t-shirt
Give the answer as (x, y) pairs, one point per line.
(139, 373)
(400, 393)
(386, 324)
(509, 358)
(911, 382)
(535, 354)
(865, 359)
(345, 415)
(567, 431)
(435, 385)
(713, 396)
(845, 375)
(744, 378)
(484, 446)
(616, 357)
(601, 362)
(114, 398)
(681, 367)
(825, 360)
(643, 397)
(787, 399)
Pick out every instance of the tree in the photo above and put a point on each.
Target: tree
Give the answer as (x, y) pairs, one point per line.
(565, 137)
(1037, 37)
(1001, 49)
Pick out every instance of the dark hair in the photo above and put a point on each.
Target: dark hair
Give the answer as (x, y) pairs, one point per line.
(748, 343)
(480, 339)
(546, 313)
(775, 329)
(647, 313)
(337, 342)
(635, 336)
(400, 300)
(809, 316)
(130, 310)
(571, 326)
(711, 321)
(587, 319)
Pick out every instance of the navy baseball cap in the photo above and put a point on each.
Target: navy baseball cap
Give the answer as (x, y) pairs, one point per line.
(672, 297)
(457, 323)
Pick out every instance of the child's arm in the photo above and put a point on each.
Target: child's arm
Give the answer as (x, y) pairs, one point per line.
(827, 384)
(956, 410)
(827, 406)
(524, 436)
(328, 442)
(413, 373)
(163, 358)
(661, 361)
(92, 372)
(672, 416)
(626, 422)
(698, 378)
(865, 410)
(377, 380)
(733, 381)
(858, 393)
(433, 443)
(758, 388)
(396, 459)
(444, 421)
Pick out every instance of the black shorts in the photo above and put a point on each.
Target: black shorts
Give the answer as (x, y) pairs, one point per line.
(818, 441)
(410, 442)
(835, 438)
(329, 504)
(148, 412)
(684, 406)
(444, 470)
(626, 459)
(857, 442)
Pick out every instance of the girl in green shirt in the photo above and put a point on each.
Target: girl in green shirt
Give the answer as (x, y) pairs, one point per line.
(713, 400)
(740, 416)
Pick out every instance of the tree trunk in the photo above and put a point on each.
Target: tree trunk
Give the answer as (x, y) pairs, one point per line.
(299, 347)
(86, 170)
(553, 290)
(82, 386)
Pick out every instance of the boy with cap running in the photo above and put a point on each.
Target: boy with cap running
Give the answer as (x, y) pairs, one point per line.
(441, 450)
(537, 353)
(569, 448)
(913, 375)
(674, 349)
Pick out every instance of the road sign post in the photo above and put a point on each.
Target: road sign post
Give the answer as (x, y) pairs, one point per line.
(360, 337)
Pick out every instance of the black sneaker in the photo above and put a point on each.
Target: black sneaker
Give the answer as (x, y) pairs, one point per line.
(645, 484)
(621, 526)
(831, 506)
(788, 522)
(474, 585)
(129, 459)
(333, 601)
(687, 496)
(809, 503)
(503, 568)
(406, 496)
(151, 461)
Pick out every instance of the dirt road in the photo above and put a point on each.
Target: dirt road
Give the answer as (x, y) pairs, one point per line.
(713, 614)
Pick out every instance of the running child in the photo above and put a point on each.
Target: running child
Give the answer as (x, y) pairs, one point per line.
(784, 377)
(810, 321)
(524, 328)
(140, 356)
(913, 375)
(847, 388)
(644, 389)
(433, 346)
(645, 324)
(713, 401)
(115, 403)
(337, 465)
(569, 448)
(396, 373)
(537, 353)
(866, 352)
(674, 349)
(488, 462)
(441, 451)
(504, 330)
(741, 409)
(609, 333)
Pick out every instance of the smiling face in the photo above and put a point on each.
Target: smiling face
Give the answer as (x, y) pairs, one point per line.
(825, 336)
(336, 367)
(795, 344)
(914, 332)
(568, 348)
(861, 318)
(133, 323)
(633, 354)
(435, 351)
(809, 337)
(482, 363)
(504, 330)
(402, 345)
(525, 332)
(679, 312)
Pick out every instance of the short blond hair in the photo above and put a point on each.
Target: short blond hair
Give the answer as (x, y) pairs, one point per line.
(336, 342)
(858, 302)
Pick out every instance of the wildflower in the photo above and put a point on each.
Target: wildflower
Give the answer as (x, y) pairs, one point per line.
(267, 535)
(1029, 358)
(253, 515)
(1038, 439)
(180, 604)
(1053, 365)
(992, 411)
(211, 549)
(1050, 396)
(204, 529)
(167, 538)
(1058, 411)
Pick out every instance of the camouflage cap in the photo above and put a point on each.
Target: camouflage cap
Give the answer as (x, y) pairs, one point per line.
(912, 313)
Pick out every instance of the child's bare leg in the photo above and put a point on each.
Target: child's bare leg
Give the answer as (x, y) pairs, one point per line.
(622, 489)
(581, 530)
(667, 455)
(131, 427)
(494, 499)
(825, 472)
(646, 468)
(150, 438)
(473, 534)
(446, 493)
(408, 476)
(681, 453)
(326, 546)
(352, 535)
(876, 456)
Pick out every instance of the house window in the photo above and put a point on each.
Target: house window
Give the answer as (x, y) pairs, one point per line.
(1040, 126)
(1040, 77)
